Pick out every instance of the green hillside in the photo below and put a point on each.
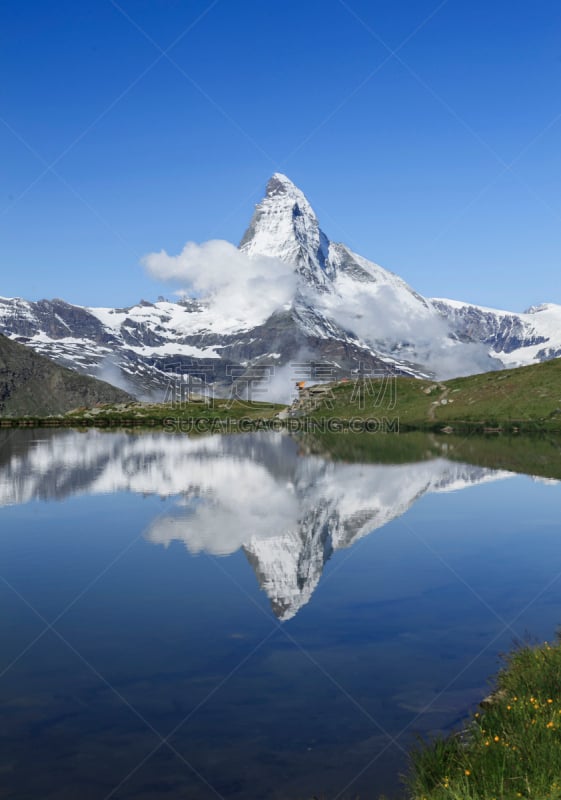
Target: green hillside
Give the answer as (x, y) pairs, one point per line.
(525, 398)
(33, 384)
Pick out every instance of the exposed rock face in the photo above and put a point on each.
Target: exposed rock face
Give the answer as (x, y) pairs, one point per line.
(32, 384)
(285, 226)
(55, 318)
(346, 311)
(518, 339)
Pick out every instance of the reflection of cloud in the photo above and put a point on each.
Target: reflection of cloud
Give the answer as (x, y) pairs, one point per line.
(235, 501)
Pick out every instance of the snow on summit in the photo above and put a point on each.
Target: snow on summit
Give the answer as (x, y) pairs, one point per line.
(286, 227)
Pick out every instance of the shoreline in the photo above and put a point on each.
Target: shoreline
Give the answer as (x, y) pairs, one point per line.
(310, 425)
(510, 748)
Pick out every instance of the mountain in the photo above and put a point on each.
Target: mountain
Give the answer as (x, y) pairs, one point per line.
(517, 339)
(32, 384)
(287, 511)
(344, 312)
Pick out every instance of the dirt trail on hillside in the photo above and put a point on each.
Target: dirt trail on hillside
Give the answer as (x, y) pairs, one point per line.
(431, 415)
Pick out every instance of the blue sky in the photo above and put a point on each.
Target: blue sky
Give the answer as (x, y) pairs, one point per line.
(426, 135)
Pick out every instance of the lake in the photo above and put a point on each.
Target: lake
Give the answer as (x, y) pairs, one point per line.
(258, 616)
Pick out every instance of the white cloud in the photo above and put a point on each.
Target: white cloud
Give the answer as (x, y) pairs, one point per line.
(403, 326)
(243, 291)
(248, 288)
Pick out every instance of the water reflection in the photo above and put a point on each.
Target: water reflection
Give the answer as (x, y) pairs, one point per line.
(399, 636)
(287, 508)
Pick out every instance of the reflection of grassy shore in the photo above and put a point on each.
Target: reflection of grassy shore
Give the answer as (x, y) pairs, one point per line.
(511, 748)
(538, 454)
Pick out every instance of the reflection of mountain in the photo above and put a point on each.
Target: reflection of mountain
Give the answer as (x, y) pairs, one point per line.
(288, 512)
(339, 504)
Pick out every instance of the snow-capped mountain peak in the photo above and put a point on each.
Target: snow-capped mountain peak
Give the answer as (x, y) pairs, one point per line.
(286, 227)
(280, 184)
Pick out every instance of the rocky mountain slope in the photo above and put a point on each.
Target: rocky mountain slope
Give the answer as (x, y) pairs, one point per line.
(517, 339)
(32, 384)
(344, 311)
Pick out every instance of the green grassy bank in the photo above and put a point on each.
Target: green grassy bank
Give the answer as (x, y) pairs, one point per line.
(511, 748)
(521, 399)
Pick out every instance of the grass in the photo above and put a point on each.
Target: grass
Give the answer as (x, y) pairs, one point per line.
(511, 748)
(526, 394)
(522, 399)
(137, 414)
(220, 409)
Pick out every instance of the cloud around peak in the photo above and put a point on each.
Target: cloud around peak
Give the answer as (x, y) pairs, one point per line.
(240, 285)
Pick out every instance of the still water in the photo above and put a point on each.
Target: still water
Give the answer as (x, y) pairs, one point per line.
(249, 616)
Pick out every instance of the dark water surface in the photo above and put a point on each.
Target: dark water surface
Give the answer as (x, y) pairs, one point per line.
(235, 617)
